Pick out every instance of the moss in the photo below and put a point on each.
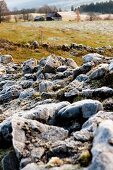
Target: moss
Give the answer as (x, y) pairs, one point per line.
(36, 96)
(85, 158)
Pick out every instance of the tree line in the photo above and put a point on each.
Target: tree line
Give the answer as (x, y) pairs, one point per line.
(102, 7)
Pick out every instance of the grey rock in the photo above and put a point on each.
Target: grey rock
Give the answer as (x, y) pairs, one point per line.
(35, 44)
(98, 72)
(81, 109)
(30, 138)
(95, 57)
(27, 93)
(10, 93)
(26, 84)
(71, 63)
(102, 149)
(32, 166)
(5, 59)
(103, 92)
(44, 112)
(82, 77)
(62, 68)
(93, 122)
(51, 65)
(5, 133)
(10, 162)
(29, 66)
(45, 86)
(82, 69)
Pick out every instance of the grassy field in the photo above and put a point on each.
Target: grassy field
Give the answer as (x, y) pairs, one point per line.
(94, 34)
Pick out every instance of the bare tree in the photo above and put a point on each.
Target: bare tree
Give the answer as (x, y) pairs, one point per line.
(3, 10)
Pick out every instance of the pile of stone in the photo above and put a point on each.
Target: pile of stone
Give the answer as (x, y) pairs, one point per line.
(55, 114)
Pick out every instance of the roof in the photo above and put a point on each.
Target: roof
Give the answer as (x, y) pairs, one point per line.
(53, 14)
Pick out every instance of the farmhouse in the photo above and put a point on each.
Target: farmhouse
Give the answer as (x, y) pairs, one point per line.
(53, 16)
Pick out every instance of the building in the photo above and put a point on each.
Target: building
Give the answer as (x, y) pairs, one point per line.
(53, 16)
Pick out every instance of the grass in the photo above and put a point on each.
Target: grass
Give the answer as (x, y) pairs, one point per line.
(23, 33)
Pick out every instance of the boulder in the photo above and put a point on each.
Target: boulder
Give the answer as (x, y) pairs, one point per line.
(82, 77)
(10, 162)
(111, 67)
(29, 66)
(82, 69)
(26, 84)
(45, 86)
(35, 44)
(93, 122)
(51, 65)
(44, 112)
(98, 72)
(5, 59)
(71, 63)
(103, 92)
(27, 93)
(5, 133)
(95, 57)
(10, 93)
(31, 138)
(102, 150)
(81, 109)
(62, 68)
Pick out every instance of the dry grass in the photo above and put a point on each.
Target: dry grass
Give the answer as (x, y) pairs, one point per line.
(54, 33)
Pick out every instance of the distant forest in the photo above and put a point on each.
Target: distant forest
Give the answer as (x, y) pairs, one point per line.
(102, 7)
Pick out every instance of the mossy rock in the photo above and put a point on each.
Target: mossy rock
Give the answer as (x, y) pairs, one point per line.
(85, 158)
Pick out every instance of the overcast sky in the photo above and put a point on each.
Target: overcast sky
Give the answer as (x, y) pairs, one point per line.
(37, 3)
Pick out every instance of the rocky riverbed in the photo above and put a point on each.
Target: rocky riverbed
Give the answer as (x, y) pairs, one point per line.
(55, 114)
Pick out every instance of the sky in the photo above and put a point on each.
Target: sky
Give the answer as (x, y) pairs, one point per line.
(65, 4)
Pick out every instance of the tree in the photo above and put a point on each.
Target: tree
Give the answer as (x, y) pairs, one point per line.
(72, 8)
(3, 10)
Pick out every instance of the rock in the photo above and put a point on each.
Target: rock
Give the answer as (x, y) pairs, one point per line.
(108, 104)
(26, 84)
(54, 161)
(103, 92)
(81, 109)
(95, 57)
(82, 69)
(44, 112)
(98, 72)
(74, 92)
(35, 44)
(5, 133)
(10, 162)
(45, 86)
(10, 93)
(93, 122)
(26, 94)
(5, 59)
(32, 166)
(51, 65)
(82, 77)
(24, 162)
(62, 68)
(1, 112)
(111, 67)
(103, 147)
(2, 69)
(83, 135)
(29, 66)
(71, 63)
(30, 77)
(65, 47)
(31, 138)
